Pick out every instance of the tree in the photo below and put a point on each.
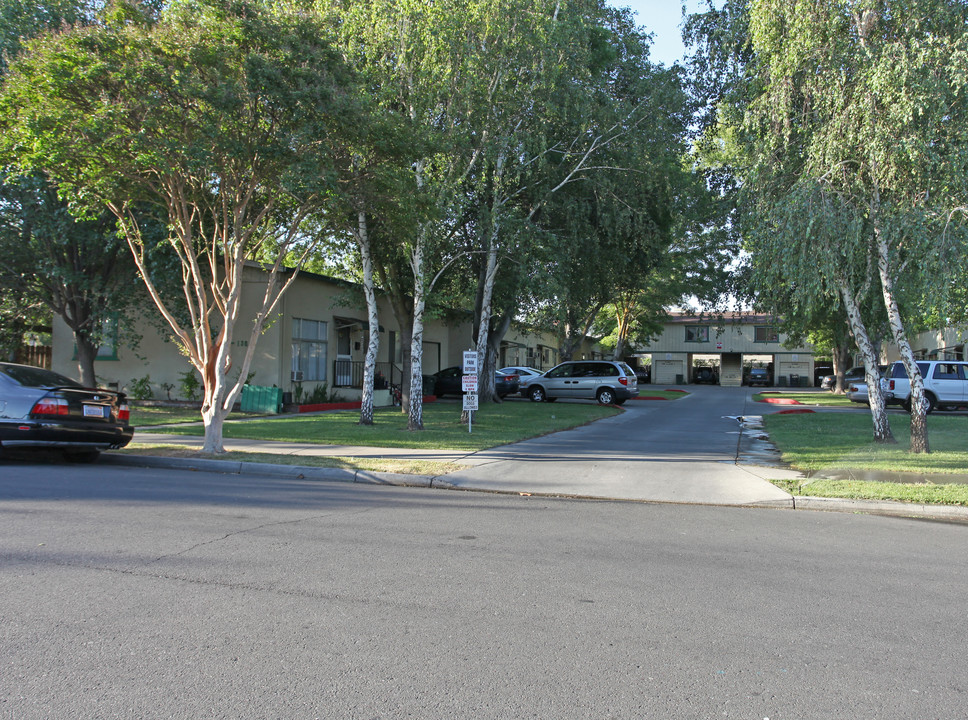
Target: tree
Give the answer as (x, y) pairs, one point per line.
(846, 124)
(863, 102)
(78, 270)
(221, 117)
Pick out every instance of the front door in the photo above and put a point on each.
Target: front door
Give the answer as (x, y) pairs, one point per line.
(344, 358)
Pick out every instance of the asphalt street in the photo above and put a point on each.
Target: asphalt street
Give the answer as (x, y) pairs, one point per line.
(148, 593)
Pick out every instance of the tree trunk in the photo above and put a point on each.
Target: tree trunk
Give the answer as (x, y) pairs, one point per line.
(213, 418)
(86, 352)
(373, 346)
(841, 361)
(882, 426)
(485, 377)
(415, 409)
(919, 417)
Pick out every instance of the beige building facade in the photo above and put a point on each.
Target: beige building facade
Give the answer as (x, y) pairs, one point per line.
(319, 335)
(730, 345)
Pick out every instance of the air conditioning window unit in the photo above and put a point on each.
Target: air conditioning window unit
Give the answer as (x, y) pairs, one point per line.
(297, 375)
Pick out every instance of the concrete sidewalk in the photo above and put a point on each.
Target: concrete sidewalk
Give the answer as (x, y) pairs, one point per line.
(691, 452)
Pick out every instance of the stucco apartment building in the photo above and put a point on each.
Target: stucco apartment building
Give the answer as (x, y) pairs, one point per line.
(318, 336)
(730, 343)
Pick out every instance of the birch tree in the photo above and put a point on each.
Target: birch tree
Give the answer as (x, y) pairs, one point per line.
(219, 117)
(866, 99)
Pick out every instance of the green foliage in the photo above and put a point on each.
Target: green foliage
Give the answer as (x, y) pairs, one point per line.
(140, 388)
(189, 385)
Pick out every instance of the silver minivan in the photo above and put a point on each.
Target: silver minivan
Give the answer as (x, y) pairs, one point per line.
(609, 382)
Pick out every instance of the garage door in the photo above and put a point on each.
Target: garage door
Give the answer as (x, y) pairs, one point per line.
(665, 371)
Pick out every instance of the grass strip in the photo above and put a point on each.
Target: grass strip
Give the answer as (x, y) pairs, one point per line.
(815, 399)
(495, 424)
(664, 394)
(924, 493)
(402, 466)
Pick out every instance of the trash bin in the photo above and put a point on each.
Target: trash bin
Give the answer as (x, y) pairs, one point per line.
(794, 380)
(261, 399)
(781, 381)
(679, 380)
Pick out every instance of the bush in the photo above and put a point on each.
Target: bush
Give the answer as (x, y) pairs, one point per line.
(321, 394)
(189, 385)
(140, 388)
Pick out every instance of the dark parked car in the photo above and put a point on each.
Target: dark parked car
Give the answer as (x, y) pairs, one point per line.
(759, 376)
(40, 409)
(705, 375)
(448, 382)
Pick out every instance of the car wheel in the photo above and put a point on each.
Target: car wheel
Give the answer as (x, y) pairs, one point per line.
(537, 394)
(932, 402)
(82, 456)
(606, 396)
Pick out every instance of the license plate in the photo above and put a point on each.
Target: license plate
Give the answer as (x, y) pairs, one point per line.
(93, 411)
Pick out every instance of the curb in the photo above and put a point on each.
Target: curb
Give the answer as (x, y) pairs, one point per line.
(369, 477)
(882, 507)
(295, 472)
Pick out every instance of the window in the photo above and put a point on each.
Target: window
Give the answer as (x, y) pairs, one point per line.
(562, 371)
(765, 334)
(948, 371)
(309, 348)
(108, 349)
(697, 334)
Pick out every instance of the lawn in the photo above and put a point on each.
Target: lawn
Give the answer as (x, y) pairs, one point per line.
(404, 466)
(646, 394)
(146, 415)
(817, 399)
(495, 424)
(827, 442)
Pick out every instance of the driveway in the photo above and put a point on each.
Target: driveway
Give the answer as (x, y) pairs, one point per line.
(685, 451)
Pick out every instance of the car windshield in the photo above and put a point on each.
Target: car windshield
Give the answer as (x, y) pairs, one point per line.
(36, 377)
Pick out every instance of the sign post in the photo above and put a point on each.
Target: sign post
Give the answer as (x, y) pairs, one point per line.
(469, 386)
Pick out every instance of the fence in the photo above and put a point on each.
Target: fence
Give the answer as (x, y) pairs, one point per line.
(39, 355)
(349, 374)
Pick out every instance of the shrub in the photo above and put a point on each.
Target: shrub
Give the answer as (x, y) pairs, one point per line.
(140, 388)
(189, 385)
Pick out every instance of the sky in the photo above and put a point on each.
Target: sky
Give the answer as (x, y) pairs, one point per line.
(663, 19)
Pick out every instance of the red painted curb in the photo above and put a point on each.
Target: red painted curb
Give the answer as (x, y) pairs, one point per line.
(798, 411)
(780, 401)
(675, 390)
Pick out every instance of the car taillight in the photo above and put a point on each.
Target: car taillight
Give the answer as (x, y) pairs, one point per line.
(50, 406)
(624, 380)
(890, 385)
(124, 413)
